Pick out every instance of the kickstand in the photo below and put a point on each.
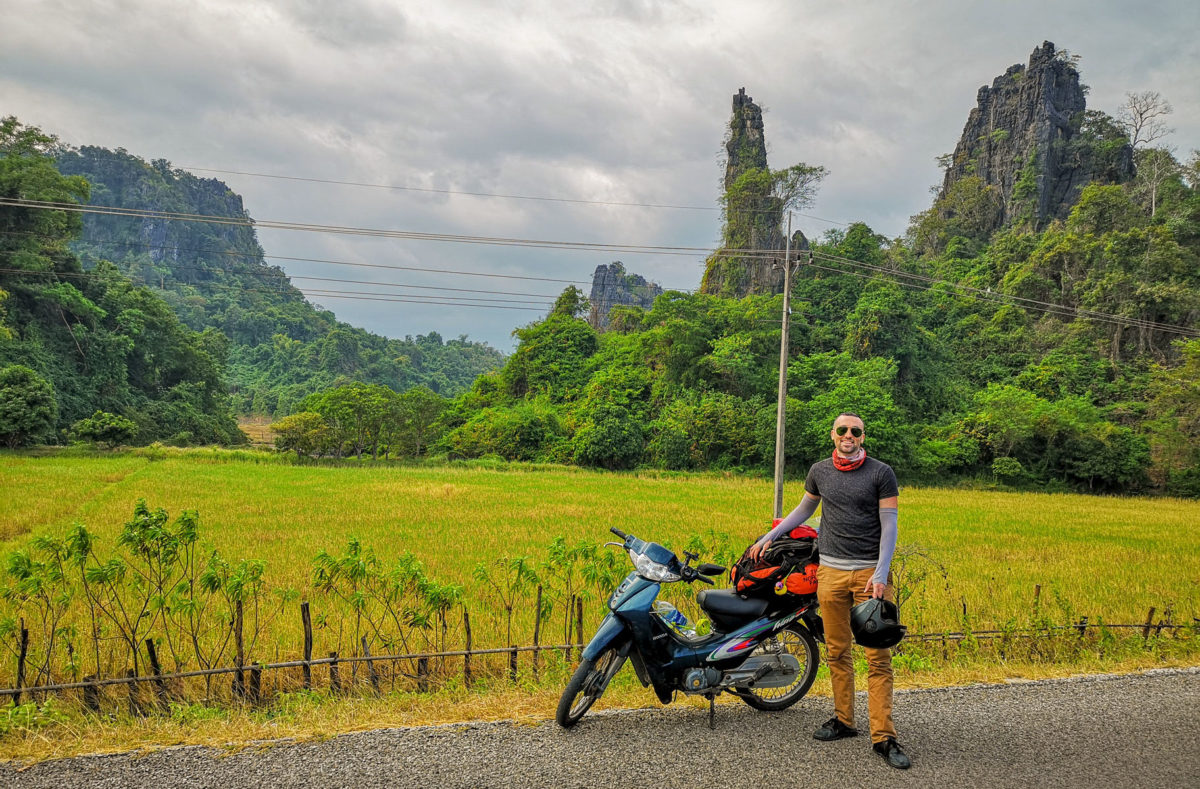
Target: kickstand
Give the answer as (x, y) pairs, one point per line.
(712, 711)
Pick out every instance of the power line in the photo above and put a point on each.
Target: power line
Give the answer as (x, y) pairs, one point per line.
(231, 253)
(414, 235)
(1020, 301)
(588, 246)
(585, 246)
(250, 270)
(433, 303)
(1003, 299)
(445, 301)
(430, 190)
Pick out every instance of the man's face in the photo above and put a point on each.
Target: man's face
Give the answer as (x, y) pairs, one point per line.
(847, 443)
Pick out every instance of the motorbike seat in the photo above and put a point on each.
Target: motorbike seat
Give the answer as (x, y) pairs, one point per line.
(727, 609)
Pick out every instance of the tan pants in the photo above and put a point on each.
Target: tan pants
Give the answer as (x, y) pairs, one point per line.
(837, 592)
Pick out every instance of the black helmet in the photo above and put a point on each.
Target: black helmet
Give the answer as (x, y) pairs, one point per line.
(876, 623)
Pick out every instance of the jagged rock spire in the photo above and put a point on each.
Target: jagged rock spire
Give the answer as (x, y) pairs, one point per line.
(1024, 140)
(611, 285)
(752, 212)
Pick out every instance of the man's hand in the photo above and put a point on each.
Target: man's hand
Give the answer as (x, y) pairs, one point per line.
(874, 589)
(757, 548)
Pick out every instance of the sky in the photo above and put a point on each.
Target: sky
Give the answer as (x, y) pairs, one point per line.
(614, 101)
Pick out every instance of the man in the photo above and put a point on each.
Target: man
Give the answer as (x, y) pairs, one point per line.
(858, 497)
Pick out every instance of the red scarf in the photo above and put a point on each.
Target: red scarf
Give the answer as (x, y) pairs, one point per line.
(850, 463)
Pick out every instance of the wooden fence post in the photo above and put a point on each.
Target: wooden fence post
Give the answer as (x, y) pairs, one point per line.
(537, 631)
(570, 626)
(160, 685)
(239, 678)
(24, 652)
(255, 684)
(306, 617)
(1082, 626)
(512, 664)
(423, 674)
(467, 650)
(1149, 622)
(91, 694)
(135, 708)
(1166, 620)
(335, 681)
(371, 672)
(579, 625)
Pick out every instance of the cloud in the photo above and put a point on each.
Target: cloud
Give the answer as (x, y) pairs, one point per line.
(615, 100)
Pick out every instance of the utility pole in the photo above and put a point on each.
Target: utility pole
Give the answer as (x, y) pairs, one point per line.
(781, 412)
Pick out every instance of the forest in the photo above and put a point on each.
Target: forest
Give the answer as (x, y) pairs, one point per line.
(1057, 355)
(129, 330)
(1054, 357)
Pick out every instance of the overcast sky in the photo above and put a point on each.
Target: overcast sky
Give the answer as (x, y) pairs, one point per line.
(619, 101)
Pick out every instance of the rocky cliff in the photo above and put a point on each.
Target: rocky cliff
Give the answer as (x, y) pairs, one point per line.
(1028, 144)
(611, 285)
(752, 212)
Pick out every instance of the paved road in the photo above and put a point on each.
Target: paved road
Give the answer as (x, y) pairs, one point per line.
(1141, 730)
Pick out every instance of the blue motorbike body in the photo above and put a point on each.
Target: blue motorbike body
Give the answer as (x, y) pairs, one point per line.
(659, 653)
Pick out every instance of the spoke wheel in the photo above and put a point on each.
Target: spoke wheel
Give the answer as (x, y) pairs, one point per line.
(800, 644)
(586, 685)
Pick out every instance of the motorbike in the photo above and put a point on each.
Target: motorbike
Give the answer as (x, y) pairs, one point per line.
(764, 651)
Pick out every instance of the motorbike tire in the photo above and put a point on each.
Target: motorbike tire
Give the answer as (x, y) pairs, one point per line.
(797, 641)
(586, 685)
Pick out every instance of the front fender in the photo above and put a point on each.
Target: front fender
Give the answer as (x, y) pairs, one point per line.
(609, 631)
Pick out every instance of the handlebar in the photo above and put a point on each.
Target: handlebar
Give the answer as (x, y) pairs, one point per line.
(619, 533)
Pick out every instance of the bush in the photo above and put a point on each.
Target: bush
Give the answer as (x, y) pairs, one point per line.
(28, 408)
(105, 428)
(1007, 469)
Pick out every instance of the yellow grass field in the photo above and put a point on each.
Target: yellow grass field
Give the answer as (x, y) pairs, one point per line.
(1105, 558)
(1109, 559)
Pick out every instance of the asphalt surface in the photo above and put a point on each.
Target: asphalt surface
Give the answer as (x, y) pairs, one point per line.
(1141, 730)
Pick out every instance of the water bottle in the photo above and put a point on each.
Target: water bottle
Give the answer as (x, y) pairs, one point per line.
(673, 617)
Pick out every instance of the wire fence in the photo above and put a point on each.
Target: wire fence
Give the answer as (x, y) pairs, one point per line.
(421, 671)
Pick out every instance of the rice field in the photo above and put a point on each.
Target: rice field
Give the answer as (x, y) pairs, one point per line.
(1107, 558)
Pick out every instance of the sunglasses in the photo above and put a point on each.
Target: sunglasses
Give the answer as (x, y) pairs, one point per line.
(854, 431)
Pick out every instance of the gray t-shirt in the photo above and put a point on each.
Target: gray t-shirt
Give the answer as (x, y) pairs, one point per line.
(850, 527)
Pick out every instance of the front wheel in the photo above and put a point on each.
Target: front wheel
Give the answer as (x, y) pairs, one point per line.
(796, 641)
(587, 684)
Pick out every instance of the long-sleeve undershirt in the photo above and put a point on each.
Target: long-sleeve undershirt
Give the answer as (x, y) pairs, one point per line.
(889, 532)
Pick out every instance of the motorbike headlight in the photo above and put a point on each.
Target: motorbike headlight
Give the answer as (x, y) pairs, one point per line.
(652, 570)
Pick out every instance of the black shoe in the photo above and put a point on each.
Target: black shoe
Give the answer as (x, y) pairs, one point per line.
(834, 729)
(892, 753)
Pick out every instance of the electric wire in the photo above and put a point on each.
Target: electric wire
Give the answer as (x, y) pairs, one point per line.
(413, 235)
(431, 190)
(1046, 307)
(279, 274)
(446, 301)
(589, 246)
(1036, 304)
(251, 256)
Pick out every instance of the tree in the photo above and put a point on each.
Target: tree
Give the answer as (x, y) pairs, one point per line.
(417, 412)
(1175, 422)
(1143, 117)
(571, 303)
(28, 409)
(796, 186)
(105, 428)
(1155, 166)
(304, 432)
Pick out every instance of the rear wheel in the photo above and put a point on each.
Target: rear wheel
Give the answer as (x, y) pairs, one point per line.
(797, 642)
(587, 684)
